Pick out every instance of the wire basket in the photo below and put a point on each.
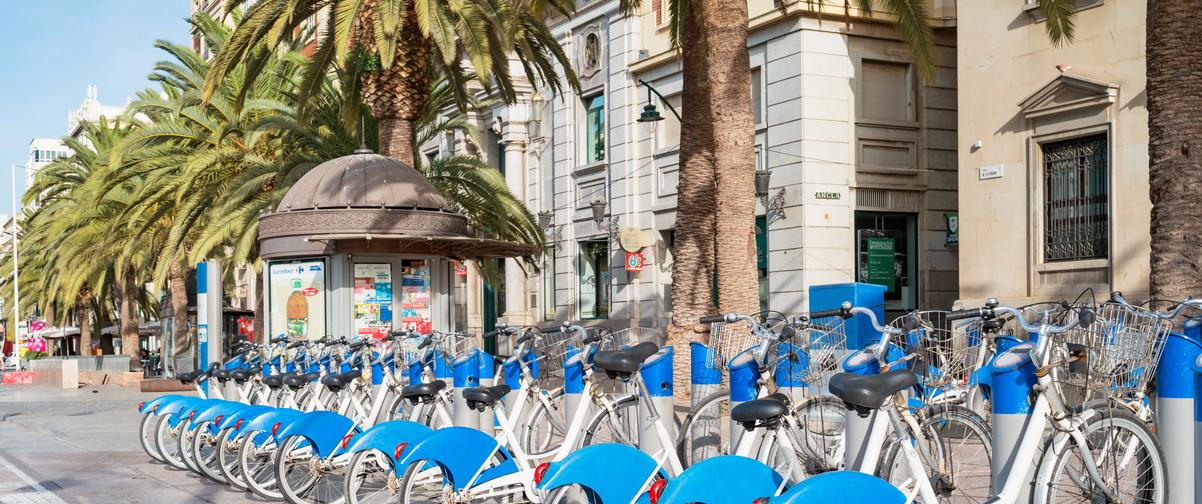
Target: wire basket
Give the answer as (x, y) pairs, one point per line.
(455, 344)
(1122, 348)
(812, 355)
(728, 340)
(946, 353)
(630, 336)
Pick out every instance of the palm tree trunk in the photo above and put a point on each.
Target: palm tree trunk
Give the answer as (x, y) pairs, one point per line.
(260, 307)
(1175, 147)
(734, 155)
(180, 335)
(396, 139)
(693, 247)
(83, 312)
(397, 95)
(127, 297)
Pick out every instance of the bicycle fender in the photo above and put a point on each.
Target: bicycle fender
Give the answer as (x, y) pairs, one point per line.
(386, 436)
(159, 402)
(842, 486)
(244, 414)
(207, 416)
(325, 429)
(615, 472)
(709, 481)
(460, 452)
(264, 422)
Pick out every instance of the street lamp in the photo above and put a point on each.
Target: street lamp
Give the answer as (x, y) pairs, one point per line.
(774, 204)
(650, 112)
(16, 277)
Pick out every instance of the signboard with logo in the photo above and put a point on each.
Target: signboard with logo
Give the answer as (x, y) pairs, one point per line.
(635, 261)
(881, 269)
(953, 228)
(298, 299)
(373, 299)
(415, 296)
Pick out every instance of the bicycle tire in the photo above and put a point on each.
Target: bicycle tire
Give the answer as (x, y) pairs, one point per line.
(937, 423)
(257, 466)
(555, 422)
(368, 481)
(186, 432)
(204, 453)
(146, 434)
(317, 484)
(627, 420)
(1152, 473)
(698, 413)
(227, 459)
(820, 437)
(166, 442)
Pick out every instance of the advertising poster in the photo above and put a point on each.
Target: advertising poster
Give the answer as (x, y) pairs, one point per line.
(373, 299)
(881, 269)
(415, 296)
(298, 299)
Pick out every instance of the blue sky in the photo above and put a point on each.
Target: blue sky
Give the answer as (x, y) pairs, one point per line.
(50, 50)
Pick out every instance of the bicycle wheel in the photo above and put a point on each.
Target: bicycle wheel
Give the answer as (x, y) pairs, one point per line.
(544, 429)
(257, 464)
(304, 476)
(370, 479)
(617, 425)
(204, 453)
(820, 421)
(705, 431)
(228, 445)
(1128, 456)
(959, 441)
(167, 442)
(187, 430)
(146, 431)
(423, 483)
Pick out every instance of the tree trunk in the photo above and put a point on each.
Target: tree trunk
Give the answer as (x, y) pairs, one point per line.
(733, 122)
(397, 95)
(83, 312)
(1174, 146)
(260, 307)
(128, 299)
(181, 336)
(693, 247)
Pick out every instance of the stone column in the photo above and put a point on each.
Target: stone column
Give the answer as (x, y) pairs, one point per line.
(515, 138)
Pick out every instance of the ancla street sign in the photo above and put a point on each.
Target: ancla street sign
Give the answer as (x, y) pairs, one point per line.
(634, 261)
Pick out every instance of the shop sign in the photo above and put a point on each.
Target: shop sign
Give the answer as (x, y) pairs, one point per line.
(634, 261)
(880, 262)
(373, 299)
(953, 228)
(298, 299)
(828, 195)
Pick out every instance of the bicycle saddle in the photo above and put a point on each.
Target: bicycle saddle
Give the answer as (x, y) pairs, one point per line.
(764, 412)
(423, 390)
(625, 362)
(479, 398)
(293, 381)
(240, 375)
(222, 375)
(188, 378)
(273, 381)
(868, 392)
(335, 382)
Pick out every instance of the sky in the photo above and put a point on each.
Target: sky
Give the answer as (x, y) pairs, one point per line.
(50, 50)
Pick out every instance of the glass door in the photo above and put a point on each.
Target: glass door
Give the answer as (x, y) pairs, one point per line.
(887, 254)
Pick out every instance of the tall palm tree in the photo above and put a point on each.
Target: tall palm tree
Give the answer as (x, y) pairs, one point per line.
(388, 49)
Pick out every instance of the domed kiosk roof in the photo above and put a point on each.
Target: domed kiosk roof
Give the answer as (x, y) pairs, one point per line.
(365, 202)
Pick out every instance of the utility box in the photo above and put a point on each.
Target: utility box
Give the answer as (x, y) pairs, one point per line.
(859, 329)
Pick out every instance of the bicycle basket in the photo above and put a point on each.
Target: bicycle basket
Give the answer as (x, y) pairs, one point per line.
(728, 340)
(812, 355)
(630, 336)
(946, 353)
(1121, 349)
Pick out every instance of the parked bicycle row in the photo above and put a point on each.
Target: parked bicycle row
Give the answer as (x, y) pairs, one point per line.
(940, 406)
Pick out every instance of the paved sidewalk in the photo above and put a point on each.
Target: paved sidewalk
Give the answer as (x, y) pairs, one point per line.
(81, 446)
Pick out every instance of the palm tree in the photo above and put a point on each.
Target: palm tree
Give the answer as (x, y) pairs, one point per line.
(388, 49)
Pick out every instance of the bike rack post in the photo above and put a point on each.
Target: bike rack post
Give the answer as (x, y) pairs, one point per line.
(485, 374)
(1175, 407)
(466, 374)
(1197, 370)
(656, 372)
(707, 379)
(573, 381)
(744, 386)
(795, 363)
(511, 373)
(1012, 378)
(856, 428)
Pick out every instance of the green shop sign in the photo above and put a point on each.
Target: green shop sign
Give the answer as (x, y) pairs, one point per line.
(880, 262)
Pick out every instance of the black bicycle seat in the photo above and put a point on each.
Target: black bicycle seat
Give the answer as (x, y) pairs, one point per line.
(625, 362)
(869, 392)
(273, 381)
(188, 377)
(765, 412)
(423, 390)
(479, 398)
(293, 381)
(241, 375)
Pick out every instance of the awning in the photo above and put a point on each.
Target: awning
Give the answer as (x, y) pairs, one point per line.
(56, 332)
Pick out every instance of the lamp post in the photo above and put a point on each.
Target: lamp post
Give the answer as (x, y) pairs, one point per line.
(650, 113)
(16, 277)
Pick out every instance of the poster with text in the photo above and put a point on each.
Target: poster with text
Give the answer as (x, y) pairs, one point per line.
(415, 296)
(373, 299)
(298, 299)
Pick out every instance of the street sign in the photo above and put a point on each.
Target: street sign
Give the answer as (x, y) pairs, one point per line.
(634, 261)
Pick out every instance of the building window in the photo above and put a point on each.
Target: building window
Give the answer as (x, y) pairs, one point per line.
(667, 132)
(886, 91)
(1076, 199)
(594, 279)
(548, 286)
(887, 254)
(757, 99)
(594, 129)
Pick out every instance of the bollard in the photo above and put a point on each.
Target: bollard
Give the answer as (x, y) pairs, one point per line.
(1175, 406)
(573, 382)
(1197, 370)
(744, 386)
(487, 374)
(415, 371)
(707, 380)
(511, 373)
(466, 374)
(656, 372)
(1012, 375)
(856, 428)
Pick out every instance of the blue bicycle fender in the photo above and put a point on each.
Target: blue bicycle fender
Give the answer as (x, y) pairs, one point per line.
(160, 401)
(264, 422)
(461, 452)
(209, 415)
(244, 414)
(847, 487)
(709, 481)
(614, 471)
(386, 436)
(325, 429)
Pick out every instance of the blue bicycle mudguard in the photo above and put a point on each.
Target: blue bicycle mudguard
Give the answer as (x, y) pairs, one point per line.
(264, 422)
(209, 415)
(709, 481)
(244, 414)
(460, 452)
(178, 410)
(160, 401)
(325, 429)
(386, 436)
(842, 486)
(613, 471)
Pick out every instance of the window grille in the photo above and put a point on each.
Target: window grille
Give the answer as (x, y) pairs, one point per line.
(1076, 202)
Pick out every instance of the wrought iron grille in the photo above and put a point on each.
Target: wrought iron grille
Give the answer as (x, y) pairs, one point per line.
(1076, 206)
